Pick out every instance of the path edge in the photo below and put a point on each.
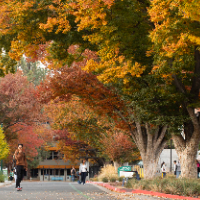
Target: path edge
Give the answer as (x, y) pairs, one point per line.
(145, 192)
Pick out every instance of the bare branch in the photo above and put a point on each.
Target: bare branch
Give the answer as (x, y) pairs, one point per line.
(160, 138)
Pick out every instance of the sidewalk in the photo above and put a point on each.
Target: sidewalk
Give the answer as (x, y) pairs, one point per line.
(145, 192)
(6, 183)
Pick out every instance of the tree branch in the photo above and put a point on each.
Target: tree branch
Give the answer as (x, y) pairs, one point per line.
(149, 138)
(160, 138)
(156, 135)
(178, 84)
(196, 78)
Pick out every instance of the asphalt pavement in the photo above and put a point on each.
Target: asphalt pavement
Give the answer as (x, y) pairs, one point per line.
(65, 191)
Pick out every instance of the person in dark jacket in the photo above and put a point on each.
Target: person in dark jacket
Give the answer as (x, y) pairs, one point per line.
(21, 164)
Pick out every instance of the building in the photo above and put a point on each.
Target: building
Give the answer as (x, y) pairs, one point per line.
(53, 168)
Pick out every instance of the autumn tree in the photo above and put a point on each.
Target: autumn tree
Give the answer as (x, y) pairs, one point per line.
(86, 132)
(21, 116)
(177, 59)
(118, 31)
(68, 81)
(119, 147)
(4, 148)
(18, 103)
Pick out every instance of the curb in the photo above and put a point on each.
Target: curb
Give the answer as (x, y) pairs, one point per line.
(145, 192)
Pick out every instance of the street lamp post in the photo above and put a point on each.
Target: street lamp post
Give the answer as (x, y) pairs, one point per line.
(170, 155)
(1, 160)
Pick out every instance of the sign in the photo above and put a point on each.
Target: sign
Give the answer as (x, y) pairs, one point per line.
(126, 174)
(124, 168)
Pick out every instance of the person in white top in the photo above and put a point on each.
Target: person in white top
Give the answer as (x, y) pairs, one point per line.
(15, 174)
(83, 171)
(163, 169)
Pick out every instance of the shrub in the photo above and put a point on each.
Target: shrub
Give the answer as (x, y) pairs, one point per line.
(113, 179)
(184, 187)
(105, 179)
(120, 179)
(107, 171)
(94, 179)
(2, 178)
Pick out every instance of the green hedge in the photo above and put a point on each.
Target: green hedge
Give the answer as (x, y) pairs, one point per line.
(183, 187)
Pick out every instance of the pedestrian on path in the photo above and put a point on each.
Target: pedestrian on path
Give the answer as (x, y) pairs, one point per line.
(198, 168)
(21, 164)
(73, 172)
(175, 167)
(15, 174)
(163, 169)
(83, 171)
(178, 169)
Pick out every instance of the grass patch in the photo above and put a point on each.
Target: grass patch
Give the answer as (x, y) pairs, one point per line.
(171, 185)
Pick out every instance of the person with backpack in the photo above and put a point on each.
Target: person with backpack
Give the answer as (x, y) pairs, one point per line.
(21, 164)
(73, 172)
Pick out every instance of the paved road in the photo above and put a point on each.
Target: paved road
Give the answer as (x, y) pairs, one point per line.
(64, 191)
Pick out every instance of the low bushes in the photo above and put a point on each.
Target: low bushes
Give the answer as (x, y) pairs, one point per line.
(120, 179)
(108, 172)
(2, 178)
(184, 187)
(94, 179)
(105, 180)
(113, 179)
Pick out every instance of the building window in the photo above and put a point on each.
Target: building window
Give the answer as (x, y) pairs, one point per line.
(62, 172)
(68, 172)
(50, 172)
(50, 156)
(55, 156)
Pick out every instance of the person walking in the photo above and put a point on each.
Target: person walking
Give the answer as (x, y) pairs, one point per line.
(175, 167)
(163, 169)
(15, 175)
(73, 172)
(178, 169)
(83, 171)
(198, 168)
(21, 164)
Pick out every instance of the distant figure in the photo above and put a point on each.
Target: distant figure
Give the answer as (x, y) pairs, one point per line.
(83, 171)
(163, 169)
(175, 167)
(73, 172)
(178, 169)
(198, 168)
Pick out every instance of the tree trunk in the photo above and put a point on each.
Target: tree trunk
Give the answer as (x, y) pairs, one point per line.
(116, 165)
(150, 143)
(150, 163)
(187, 151)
